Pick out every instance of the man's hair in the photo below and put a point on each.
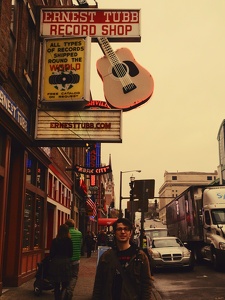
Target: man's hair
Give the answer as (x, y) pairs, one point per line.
(70, 223)
(124, 221)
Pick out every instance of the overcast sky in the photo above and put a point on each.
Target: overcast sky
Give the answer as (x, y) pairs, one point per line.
(183, 47)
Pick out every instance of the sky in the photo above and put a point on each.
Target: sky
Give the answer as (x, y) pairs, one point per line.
(183, 48)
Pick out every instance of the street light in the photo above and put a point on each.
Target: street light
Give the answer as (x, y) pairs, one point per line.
(121, 197)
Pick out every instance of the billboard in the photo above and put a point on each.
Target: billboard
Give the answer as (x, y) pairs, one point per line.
(117, 25)
(66, 71)
(100, 125)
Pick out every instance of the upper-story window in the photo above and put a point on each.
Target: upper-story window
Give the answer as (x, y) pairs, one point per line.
(29, 49)
(209, 177)
(174, 177)
(35, 172)
(13, 33)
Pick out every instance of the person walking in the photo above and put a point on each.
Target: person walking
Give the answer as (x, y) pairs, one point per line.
(61, 252)
(102, 238)
(144, 242)
(89, 241)
(123, 272)
(76, 237)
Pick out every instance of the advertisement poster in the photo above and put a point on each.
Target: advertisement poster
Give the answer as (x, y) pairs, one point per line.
(64, 69)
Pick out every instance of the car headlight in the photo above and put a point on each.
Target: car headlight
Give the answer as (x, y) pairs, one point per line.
(156, 255)
(186, 253)
(222, 246)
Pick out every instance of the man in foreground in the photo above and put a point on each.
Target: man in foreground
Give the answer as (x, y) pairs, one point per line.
(123, 273)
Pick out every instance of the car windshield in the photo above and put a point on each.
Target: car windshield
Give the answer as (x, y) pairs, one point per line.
(166, 243)
(218, 216)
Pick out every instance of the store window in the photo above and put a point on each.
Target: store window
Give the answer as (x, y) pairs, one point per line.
(27, 227)
(33, 219)
(38, 219)
(35, 174)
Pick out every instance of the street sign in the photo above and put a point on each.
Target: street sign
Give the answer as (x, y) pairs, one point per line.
(144, 189)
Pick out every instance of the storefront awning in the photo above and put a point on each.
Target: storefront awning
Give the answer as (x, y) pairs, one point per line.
(106, 221)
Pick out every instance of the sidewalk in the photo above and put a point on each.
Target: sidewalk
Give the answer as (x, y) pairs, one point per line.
(83, 289)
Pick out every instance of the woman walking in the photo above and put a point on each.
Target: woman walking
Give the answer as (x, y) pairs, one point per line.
(60, 268)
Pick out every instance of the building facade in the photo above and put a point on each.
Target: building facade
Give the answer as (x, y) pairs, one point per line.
(176, 182)
(39, 189)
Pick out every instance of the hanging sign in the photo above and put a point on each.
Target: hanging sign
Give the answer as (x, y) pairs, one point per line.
(66, 72)
(115, 24)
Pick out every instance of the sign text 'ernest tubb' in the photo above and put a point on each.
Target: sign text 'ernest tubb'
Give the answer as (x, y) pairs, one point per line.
(94, 23)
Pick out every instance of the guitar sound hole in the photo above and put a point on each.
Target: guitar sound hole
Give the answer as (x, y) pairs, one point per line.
(119, 70)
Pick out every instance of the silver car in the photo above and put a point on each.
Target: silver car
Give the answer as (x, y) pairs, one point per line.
(170, 252)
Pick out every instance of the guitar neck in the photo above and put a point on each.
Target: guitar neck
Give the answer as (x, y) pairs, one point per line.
(108, 51)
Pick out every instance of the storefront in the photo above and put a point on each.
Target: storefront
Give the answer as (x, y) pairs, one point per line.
(23, 174)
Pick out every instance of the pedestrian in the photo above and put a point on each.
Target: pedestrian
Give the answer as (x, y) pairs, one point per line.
(123, 272)
(61, 252)
(89, 241)
(144, 242)
(102, 238)
(76, 237)
(110, 239)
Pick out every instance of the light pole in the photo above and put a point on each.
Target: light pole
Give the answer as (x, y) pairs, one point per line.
(121, 197)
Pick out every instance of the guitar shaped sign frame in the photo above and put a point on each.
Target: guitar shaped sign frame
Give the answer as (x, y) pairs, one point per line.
(126, 83)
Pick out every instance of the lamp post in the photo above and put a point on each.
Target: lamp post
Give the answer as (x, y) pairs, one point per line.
(121, 197)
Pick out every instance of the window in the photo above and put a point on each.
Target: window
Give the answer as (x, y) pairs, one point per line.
(38, 222)
(209, 177)
(174, 177)
(30, 48)
(35, 172)
(207, 218)
(33, 218)
(13, 33)
(27, 224)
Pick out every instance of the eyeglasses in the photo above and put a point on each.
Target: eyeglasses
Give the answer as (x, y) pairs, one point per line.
(120, 229)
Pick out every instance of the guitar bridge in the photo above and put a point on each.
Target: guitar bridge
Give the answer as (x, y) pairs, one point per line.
(128, 88)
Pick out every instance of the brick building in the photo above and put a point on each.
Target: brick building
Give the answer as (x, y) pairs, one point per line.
(38, 188)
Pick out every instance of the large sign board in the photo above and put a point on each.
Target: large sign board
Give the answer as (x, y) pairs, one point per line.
(100, 125)
(113, 24)
(66, 71)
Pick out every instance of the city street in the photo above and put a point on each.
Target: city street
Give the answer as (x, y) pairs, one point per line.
(202, 283)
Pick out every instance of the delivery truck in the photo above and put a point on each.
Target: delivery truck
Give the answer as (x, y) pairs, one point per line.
(197, 217)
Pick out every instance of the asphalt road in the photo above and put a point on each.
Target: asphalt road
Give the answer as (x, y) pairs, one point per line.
(202, 283)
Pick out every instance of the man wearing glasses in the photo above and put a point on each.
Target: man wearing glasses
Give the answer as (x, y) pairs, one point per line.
(123, 272)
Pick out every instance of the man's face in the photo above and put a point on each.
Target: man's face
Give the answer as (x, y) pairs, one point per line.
(122, 233)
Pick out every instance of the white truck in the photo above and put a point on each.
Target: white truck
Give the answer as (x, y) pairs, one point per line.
(197, 217)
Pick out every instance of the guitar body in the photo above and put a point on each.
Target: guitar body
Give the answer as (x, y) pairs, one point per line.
(140, 84)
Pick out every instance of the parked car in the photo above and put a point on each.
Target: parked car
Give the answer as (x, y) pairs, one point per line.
(170, 252)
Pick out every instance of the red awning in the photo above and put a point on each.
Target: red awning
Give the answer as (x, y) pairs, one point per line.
(106, 221)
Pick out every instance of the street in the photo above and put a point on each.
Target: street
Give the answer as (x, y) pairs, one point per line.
(202, 283)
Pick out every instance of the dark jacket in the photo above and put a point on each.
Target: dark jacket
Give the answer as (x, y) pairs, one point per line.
(138, 273)
(60, 254)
